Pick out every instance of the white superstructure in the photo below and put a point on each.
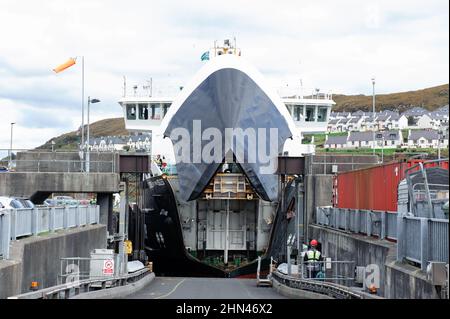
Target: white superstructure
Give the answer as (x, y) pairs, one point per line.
(306, 110)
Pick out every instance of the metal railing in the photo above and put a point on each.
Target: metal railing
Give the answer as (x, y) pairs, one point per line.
(329, 164)
(321, 287)
(422, 240)
(303, 93)
(430, 192)
(382, 224)
(63, 166)
(16, 223)
(419, 239)
(44, 161)
(68, 290)
(328, 270)
(4, 235)
(82, 268)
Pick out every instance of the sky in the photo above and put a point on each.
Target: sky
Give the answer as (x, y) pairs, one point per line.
(336, 46)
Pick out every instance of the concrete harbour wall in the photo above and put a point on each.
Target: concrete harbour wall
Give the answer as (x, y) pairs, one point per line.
(37, 258)
(397, 280)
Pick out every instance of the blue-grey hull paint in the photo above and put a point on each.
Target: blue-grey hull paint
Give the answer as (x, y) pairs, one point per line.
(228, 98)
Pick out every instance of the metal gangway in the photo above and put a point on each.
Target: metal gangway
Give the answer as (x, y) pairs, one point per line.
(264, 281)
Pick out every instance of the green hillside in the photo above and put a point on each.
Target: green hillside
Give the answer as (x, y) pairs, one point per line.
(430, 98)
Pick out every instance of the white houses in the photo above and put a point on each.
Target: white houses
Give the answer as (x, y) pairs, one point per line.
(368, 124)
(425, 121)
(415, 118)
(386, 139)
(354, 124)
(381, 121)
(332, 125)
(341, 126)
(119, 143)
(390, 139)
(139, 143)
(397, 121)
(336, 141)
(414, 115)
(106, 144)
(423, 139)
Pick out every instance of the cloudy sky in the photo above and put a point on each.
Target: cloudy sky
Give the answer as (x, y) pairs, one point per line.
(333, 45)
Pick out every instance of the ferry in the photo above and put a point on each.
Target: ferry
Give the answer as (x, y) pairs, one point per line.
(214, 219)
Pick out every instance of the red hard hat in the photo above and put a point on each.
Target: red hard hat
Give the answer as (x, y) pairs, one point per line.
(314, 243)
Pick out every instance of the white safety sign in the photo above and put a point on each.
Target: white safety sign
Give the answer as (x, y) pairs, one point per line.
(108, 267)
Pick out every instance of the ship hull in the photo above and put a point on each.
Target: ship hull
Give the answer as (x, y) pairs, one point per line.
(165, 246)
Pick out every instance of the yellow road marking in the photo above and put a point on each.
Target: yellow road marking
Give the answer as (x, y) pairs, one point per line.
(174, 288)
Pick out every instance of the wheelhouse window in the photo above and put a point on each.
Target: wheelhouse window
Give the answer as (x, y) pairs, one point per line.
(16, 204)
(310, 113)
(143, 111)
(289, 108)
(155, 114)
(165, 108)
(298, 112)
(322, 114)
(131, 112)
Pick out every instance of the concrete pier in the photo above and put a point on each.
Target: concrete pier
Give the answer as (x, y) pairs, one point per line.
(39, 185)
(37, 258)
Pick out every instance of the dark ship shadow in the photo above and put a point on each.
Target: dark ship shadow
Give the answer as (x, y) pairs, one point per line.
(164, 243)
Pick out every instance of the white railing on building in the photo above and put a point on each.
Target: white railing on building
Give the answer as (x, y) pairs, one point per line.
(419, 239)
(17, 223)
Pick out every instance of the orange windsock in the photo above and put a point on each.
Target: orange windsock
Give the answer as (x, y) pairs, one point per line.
(64, 66)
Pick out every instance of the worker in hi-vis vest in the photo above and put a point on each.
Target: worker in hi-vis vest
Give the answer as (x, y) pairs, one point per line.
(313, 260)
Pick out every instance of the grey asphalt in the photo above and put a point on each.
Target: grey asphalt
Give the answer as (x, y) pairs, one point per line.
(205, 288)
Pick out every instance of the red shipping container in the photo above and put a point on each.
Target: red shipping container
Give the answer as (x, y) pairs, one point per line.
(373, 188)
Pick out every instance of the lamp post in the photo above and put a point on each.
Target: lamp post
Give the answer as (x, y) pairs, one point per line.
(10, 146)
(373, 114)
(439, 144)
(88, 151)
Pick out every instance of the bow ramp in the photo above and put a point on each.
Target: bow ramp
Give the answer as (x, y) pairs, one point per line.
(227, 105)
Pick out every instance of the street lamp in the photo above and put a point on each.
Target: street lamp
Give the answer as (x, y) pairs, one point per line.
(439, 144)
(88, 151)
(373, 114)
(10, 147)
(82, 101)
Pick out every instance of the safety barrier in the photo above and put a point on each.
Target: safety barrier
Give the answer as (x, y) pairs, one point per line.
(16, 223)
(419, 239)
(71, 289)
(326, 288)
(369, 222)
(422, 240)
(4, 234)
